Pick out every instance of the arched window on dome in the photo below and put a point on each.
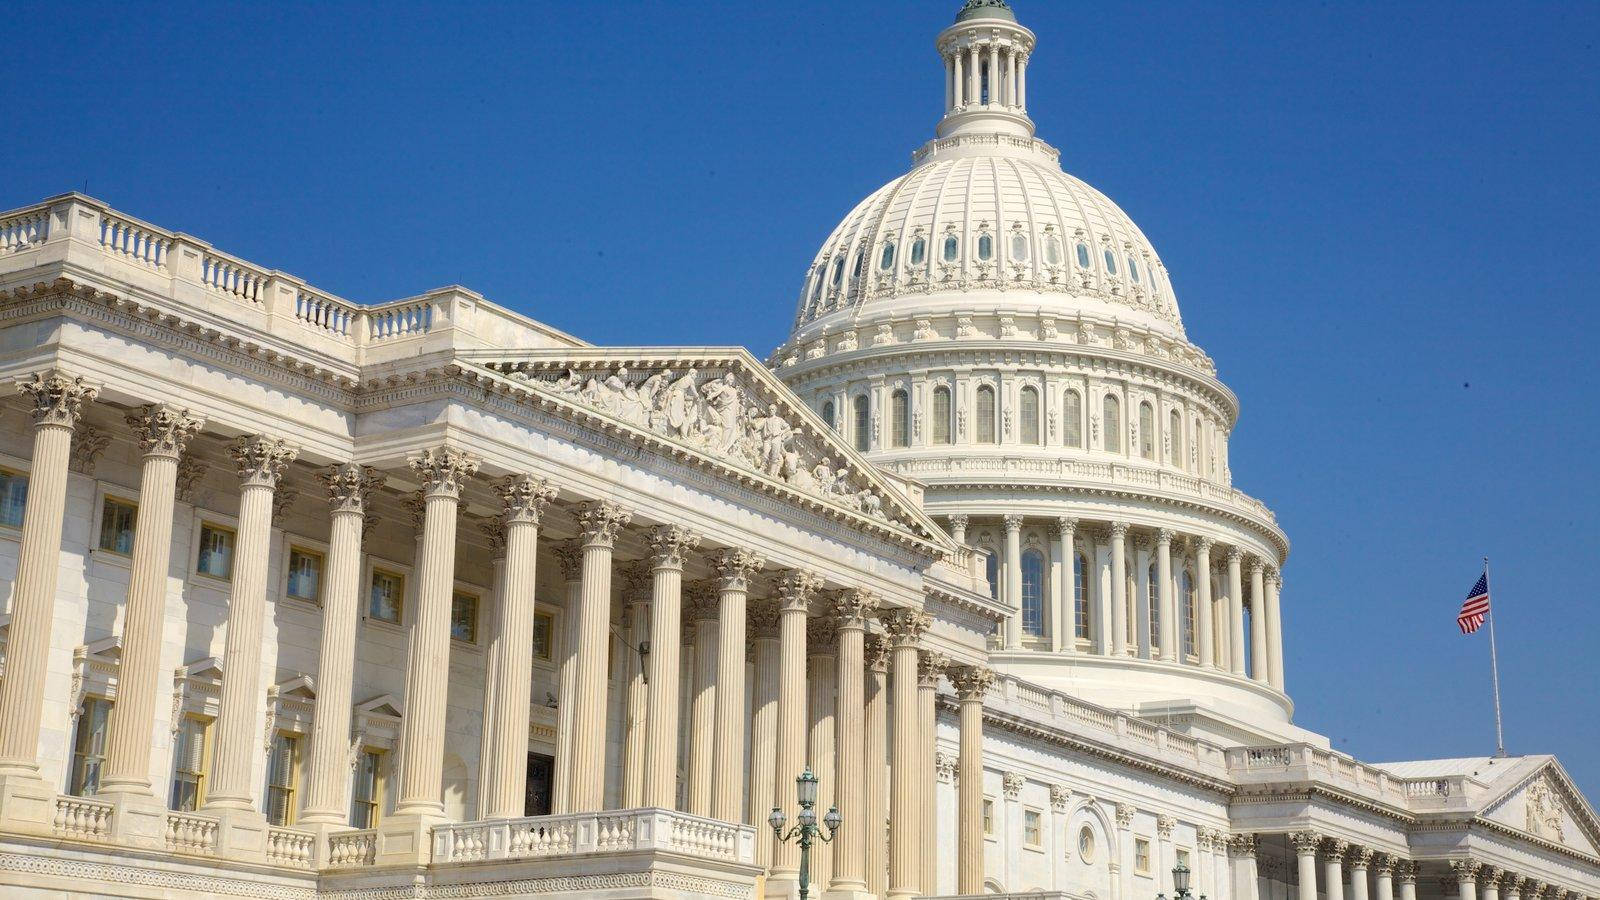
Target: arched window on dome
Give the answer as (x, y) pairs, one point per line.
(1080, 597)
(1152, 602)
(919, 251)
(1111, 263)
(1028, 409)
(1175, 439)
(1111, 411)
(985, 414)
(900, 419)
(985, 247)
(1133, 269)
(827, 413)
(863, 435)
(1191, 624)
(941, 415)
(991, 572)
(1019, 247)
(886, 259)
(1083, 256)
(1032, 593)
(816, 284)
(1072, 418)
(860, 268)
(952, 248)
(1147, 431)
(1052, 250)
(838, 272)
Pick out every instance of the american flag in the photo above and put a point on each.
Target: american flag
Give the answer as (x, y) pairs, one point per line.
(1476, 606)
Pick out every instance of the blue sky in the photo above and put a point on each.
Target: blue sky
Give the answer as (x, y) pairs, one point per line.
(1379, 218)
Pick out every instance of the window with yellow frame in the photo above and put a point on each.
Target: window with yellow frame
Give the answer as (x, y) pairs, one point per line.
(191, 759)
(366, 795)
(283, 776)
(464, 617)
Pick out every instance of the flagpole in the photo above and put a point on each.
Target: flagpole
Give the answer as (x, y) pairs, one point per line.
(1494, 668)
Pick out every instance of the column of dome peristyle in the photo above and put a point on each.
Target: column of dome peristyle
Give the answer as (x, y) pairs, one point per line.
(982, 50)
(523, 499)
(57, 400)
(601, 522)
(163, 432)
(328, 776)
(1013, 579)
(443, 473)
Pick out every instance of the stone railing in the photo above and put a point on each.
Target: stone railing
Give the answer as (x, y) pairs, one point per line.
(605, 832)
(1309, 763)
(77, 234)
(288, 847)
(189, 833)
(350, 849)
(84, 818)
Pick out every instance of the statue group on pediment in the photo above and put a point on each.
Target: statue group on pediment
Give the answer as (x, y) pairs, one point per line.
(717, 414)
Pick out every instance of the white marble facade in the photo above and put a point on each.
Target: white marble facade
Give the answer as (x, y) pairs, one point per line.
(308, 598)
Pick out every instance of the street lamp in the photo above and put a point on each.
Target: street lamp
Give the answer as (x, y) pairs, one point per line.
(806, 829)
(1180, 884)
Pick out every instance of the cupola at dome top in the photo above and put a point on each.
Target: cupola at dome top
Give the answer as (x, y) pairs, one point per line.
(986, 72)
(986, 9)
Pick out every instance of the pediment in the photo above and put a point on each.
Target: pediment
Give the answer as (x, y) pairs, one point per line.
(723, 406)
(301, 687)
(1546, 805)
(207, 669)
(383, 706)
(107, 648)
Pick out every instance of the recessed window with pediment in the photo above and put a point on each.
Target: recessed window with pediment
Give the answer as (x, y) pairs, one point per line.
(1032, 593)
(1029, 411)
(1175, 442)
(863, 429)
(1072, 418)
(1147, 431)
(1080, 597)
(1152, 603)
(941, 415)
(1111, 410)
(986, 414)
(827, 413)
(900, 419)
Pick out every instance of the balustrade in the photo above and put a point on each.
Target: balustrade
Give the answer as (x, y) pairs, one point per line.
(23, 230)
(188, 833)
(83, 817)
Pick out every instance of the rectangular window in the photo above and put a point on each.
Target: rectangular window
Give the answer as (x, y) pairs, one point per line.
(305, 575)
(117, 519)
(543, 628)
(281, 764)
(1141, 855)
(464, 617)
(1032, 828)
(386, 601)
(188, 764)
(988, 816)
(366, 795)
(13, 497)
(1182, 856)
(89, 747)
(216, 551)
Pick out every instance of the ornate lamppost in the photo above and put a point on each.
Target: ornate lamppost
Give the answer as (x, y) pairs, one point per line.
(806, 829)
(1180, 884)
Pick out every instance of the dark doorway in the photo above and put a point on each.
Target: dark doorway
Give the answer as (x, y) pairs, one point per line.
(541, 774)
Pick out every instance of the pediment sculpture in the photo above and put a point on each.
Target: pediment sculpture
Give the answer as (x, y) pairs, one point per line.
(1543, 810)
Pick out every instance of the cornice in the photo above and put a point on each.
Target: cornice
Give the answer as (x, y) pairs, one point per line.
(1307, 792)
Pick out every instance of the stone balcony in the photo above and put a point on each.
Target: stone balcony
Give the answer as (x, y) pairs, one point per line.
(1307, 764)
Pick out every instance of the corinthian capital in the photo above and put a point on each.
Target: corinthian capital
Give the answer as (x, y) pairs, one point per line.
(1164, 536)
(1334, 850)
(523, 498)
(971, 682)
(443, 470)
(1465, 869)
(1119, 531)
(1235, 554)
(261, 459)
(569, 556)
(669, 544)
(1012, 522)
(1360, 857)
(57, 397)
(601, 522)
(905, 626)
(348, 486)
(1305, 841)
(853, 606)
(163, 430)
(735, 566)
(930, 665)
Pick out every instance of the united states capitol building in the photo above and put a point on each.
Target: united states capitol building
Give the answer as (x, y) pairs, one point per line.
(306, 598)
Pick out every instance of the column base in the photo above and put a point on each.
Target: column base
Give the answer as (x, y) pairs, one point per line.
(782, 886)
(848, 893)
(407, 839)
(27, 803)
(139, 819)
(241, 833)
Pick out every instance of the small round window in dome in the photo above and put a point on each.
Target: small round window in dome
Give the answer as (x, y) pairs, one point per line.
(1111, 263)
(1133, 269)
(886, 262)
(985, 247)
(952, 248)
(919, 251)
(1019, 247)
(1086, 845)
(1083, 256)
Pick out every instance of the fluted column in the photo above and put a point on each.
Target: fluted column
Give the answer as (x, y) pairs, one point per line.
(443, 473)
(57, 401)
(163, 431)
(1383, 872)
(638, 584)
(795, 589)
(523, 499)
(261, 461)
(1360, 857)
(960, 80)
(974, 77)
(1119, 588)
(1022, 82)
(958, 528)
(1513, 889)
(1258, 623)
(905, 628)
(1066, 614)
(1405, 872)
(569, 556)
(1206, 637)
(702, 698)
(493, 530)
(1011, 78)
(668, 545)
(1242, 854)
(1305, 848)
(764, 650)
(327, 781)
(851, 608)
(1489, 882)
(734, 569)
(1466, 873)
(931, 665)
(1013, 581)
(972, 685)
(822, 670)
(1333, 868)
(1169, 615)
(601, 522)
(1274, 626)
(876, 778)
(1235, 612)
(995, 77)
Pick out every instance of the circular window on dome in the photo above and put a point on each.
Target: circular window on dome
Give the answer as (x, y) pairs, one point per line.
(985, 247)
(952, 248)
(1086, 845)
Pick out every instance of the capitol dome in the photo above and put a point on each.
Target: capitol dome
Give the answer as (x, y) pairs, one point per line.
(1002, 335)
